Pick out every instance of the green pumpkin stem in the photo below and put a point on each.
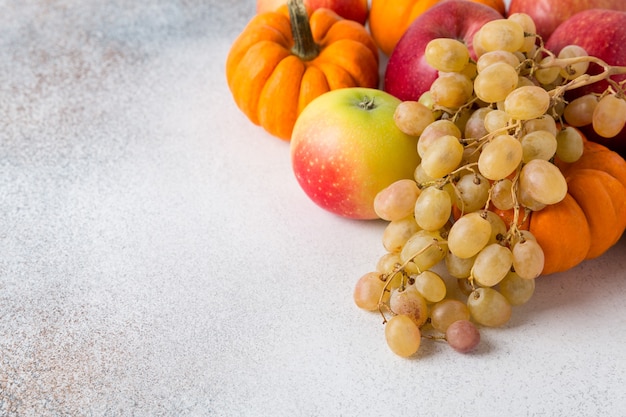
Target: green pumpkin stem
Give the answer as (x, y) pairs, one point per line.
(304, 44)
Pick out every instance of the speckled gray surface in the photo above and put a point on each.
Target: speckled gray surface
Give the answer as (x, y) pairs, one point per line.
(157, 257)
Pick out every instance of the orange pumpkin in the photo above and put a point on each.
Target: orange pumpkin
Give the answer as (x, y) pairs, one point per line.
(389, 19)
(284, 59)
(591, 218)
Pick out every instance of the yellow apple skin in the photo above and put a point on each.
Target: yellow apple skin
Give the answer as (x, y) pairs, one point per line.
(346, 147)
(356, 10)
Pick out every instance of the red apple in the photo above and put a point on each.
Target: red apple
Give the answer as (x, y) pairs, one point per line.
(548, 14)
(602, 33)
(356, 10)
(345, 148)
(408, 75)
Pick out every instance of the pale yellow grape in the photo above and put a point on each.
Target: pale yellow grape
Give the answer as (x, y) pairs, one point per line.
(446, 312)
(539, 144)
(523, 81)
(469, 234)
(470, 70)
(528, 102)
(520, 236)
(446, 54)
(442, 156)
(408, 301)
(459, 267)
(403, 336)
(388, 262)
(477, 44)
(492, 57)
(502, 195)
(502, 34)
(492, 264)
(412, 117)
(579, 112)
(451, 90)
(569, 145)
(574, 70)
(496, 120)
(472, 192)
(544, 122)
(397, 232)
(396, 201)
(433, 208)
(498, 226)
(528, 259)
(500, 157)
(420, 176)
(543, 182)
(475, 125)
(426, 249)
(430, 285)
(495, 82)
(435, 130)
(367, 291)
(528, 25)
(488, 307)
(527, 201)
(516, 289)
(609, 116)
(546, 73)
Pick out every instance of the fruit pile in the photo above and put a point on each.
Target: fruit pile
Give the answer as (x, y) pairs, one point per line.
(477, 153)
(491, 145)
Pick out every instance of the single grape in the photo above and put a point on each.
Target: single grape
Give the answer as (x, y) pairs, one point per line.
(430, 285)
(495, 82)
(368, 289)
(446, 54)
(433, 208)
(463, 336)
(446, 312)
(530, 29)
(492, 57)
(469, 234)
(442, 156)
(488, 307)
(544, 122)
(543, 182)
(569, 145)
(528, 102)
(528, 259)
(500, 157)
(538, 144)
(502, 194)
(408, 301)
(421, 177)
(502, 35)
(425, 249)
(516, 289)
(579, 112)
(451, 90)
(388, 262)
(412, 117)
(396, 201)
(498, 227)
(475, 125)
(496, 120)
(397, 232)
(459, 267)
(473, 192)
(492, 264)
(434, 131)
(609, 116)
(546, 73)
(574, 70)
(402, 335)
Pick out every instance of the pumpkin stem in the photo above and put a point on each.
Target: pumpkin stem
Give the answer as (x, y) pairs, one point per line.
(304, 44)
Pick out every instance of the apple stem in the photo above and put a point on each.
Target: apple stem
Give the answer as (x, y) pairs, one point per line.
(367, 103)
(304, 44)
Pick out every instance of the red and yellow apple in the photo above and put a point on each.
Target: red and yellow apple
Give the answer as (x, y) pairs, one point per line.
(548, 14)
(602, 33)
(345, 148)
(356, 10)
(408, 75)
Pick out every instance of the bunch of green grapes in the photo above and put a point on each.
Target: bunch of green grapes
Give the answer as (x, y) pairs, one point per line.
(489, 130)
